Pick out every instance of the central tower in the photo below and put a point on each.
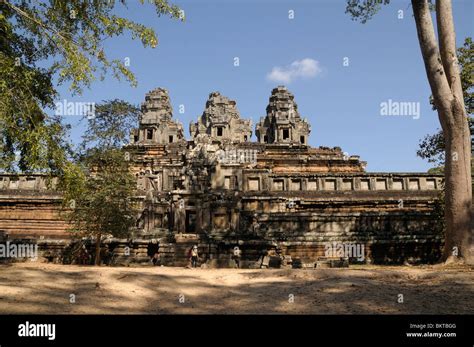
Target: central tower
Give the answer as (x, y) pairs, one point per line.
(221, 121)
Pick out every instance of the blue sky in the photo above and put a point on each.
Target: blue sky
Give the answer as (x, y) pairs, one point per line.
(342, 103)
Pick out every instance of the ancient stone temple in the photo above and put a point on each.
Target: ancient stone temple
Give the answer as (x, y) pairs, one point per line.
(276, 196)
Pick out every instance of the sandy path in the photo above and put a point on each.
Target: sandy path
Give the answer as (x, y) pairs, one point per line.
(46, 288)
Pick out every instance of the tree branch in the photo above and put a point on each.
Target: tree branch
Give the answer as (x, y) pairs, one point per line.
(447, 46)
(434, 68)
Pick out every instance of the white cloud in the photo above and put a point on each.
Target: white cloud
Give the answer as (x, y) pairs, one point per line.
(305, 68)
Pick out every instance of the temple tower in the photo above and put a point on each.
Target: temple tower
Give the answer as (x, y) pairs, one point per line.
(221, 121)
(156, 123)
(283, 123)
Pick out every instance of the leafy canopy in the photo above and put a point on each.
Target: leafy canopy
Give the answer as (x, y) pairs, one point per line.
(47, 39)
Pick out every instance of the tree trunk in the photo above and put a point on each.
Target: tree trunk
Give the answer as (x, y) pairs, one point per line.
(442, 70)
(97, 249)
(458, 190)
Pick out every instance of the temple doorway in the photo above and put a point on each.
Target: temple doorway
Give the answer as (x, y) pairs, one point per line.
(190, 222)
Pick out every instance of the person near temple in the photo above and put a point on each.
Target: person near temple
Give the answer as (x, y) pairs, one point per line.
(236, 255)
(194, 256)
(152, 251)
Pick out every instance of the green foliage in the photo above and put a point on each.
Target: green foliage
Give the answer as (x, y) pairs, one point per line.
(111, 124)
(437, 170)
(72, 33)
(67, 39)
(431, 148)
(29, 140)
(466, 62)
(98, 189)
(364, 10)
(100, 202)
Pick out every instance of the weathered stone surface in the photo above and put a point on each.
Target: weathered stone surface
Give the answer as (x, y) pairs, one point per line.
(221, 122)
(283, 123)
(156, 124)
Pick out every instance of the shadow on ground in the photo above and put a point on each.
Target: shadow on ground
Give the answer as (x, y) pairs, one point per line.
(47, 289)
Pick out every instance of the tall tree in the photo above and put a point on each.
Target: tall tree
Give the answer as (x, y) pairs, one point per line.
(45, 40)
(432, 146)
(443, 73)
(99, 188)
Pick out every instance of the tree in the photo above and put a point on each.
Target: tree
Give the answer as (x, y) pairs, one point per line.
(442, 70)
(28, 138)
(99, 188)
(48, 39)
(111, 125)
(432, 146)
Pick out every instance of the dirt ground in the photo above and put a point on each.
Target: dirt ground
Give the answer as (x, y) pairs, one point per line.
(31, 287)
